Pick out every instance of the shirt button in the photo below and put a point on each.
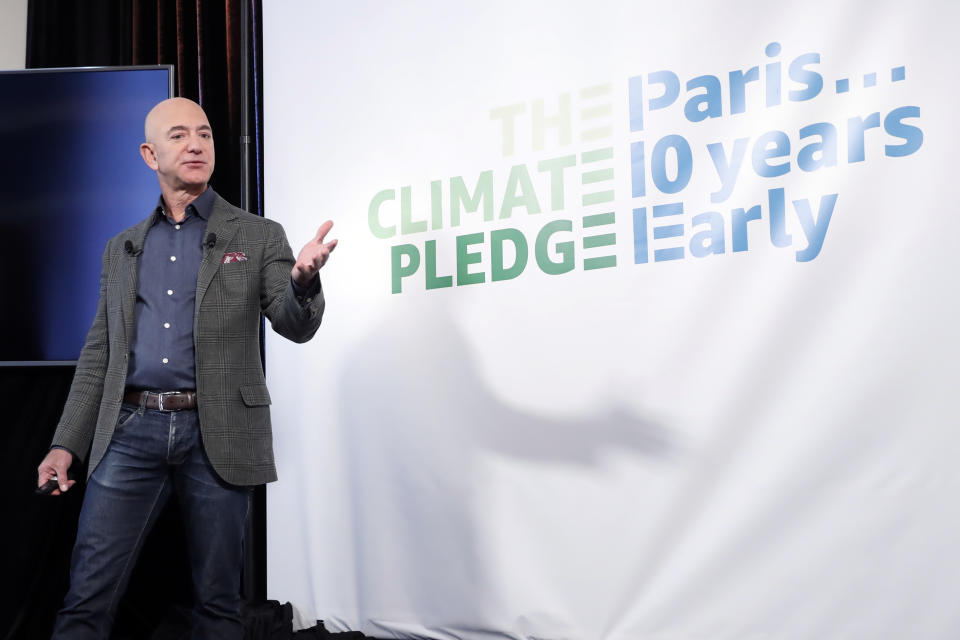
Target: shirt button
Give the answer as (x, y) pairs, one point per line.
(165, 361)
(173, 258)
(166, 325)
(169, 292)
(177, 227)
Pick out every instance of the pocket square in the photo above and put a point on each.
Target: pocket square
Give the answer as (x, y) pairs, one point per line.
(233, 256)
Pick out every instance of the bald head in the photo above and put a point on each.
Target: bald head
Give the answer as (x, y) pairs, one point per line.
(179, 145)
(167, 113)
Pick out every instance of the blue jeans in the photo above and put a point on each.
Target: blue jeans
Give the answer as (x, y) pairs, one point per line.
(153, 453)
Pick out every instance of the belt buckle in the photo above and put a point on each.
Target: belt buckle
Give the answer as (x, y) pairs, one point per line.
(160, 399)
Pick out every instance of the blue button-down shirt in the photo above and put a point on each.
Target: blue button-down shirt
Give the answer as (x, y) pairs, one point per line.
(161, 351)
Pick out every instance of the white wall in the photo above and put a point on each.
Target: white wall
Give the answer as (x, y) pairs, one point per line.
(13, 34)
(755, 442)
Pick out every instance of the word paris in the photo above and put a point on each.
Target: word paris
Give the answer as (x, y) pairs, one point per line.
(558, 213)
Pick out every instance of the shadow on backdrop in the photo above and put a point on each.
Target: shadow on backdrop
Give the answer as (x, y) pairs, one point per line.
(416, 415)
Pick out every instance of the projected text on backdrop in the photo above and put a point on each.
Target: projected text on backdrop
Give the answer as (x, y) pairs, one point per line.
(666, 222)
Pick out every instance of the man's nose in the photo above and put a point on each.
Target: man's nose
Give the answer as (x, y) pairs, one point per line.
(194, 144)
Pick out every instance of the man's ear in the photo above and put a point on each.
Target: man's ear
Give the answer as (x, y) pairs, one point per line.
(149, 155)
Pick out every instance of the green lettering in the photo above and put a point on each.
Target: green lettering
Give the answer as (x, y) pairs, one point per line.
(397, 270)
(373, 214)
(497, 238)
(459, 196)
(436, 203)
(407, 223)
(565, 249)
(466, 258)
(519, 192)
(556, 166)
(433, 282)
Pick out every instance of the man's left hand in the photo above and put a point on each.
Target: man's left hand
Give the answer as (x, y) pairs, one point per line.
(313, 256)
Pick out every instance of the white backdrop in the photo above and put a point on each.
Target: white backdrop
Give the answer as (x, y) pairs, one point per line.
(614, 353)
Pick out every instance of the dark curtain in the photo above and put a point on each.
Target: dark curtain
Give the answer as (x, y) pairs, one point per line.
(204, 40)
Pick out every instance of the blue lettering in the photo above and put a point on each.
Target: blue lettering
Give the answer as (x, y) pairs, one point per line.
(638, 180)
(826, 147)
(739, 223)
(814, 230)
(707, 242)
(911, 135)
(773, 75)
(761, 153)
(778, 225)
(706, 105)
(681, 148)
(671, 90)
(738, 88)
(727, 171)
(812, 79)
(856, 132)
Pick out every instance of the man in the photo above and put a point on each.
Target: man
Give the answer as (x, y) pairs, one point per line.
(169, 393)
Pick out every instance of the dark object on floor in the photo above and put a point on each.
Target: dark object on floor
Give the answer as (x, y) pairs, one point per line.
(271, 620)
(268, 620)
(320, 632)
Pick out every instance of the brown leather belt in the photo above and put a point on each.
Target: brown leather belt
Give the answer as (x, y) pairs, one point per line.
(166, 401)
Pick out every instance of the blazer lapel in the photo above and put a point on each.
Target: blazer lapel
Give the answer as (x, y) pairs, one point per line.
(223, 225)
(129, 272)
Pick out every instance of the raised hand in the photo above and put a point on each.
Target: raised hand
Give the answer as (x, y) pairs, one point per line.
(313, 256)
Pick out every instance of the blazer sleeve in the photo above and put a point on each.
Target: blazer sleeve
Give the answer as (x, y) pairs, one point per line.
(79, 419)
(293, 318)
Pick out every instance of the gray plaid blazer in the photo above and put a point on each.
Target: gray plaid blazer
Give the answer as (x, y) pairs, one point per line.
(233, 401)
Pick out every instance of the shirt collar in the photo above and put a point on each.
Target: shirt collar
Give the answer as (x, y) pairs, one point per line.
(201, 206)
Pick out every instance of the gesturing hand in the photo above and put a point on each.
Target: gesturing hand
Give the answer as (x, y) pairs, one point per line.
(313, 256)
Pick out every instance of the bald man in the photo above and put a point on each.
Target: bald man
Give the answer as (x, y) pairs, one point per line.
(169, 393)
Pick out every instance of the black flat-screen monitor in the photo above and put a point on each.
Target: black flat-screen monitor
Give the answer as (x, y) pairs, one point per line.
(71, 177)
